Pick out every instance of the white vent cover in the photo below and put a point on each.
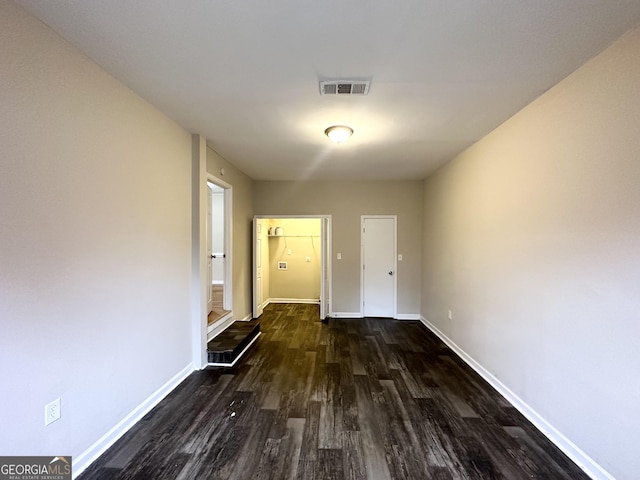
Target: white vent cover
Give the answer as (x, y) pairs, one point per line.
(344, 87)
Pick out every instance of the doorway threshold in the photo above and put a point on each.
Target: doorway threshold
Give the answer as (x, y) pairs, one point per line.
(219, 325)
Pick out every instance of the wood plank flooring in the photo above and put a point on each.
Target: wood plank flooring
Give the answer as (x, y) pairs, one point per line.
(217, 296)
(350, 399)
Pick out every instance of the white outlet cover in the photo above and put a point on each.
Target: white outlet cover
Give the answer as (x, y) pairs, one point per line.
(52, 411)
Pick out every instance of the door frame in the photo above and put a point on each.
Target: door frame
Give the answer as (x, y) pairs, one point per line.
(209, 249)
(326, 285)
(227, 299)
(257, 305)
(395, 260)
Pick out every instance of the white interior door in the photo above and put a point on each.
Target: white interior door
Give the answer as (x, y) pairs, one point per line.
(379, 266)
(209, 235)
(218, 243)
(219, 232)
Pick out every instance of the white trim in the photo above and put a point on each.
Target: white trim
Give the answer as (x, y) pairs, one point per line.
(407, 316)
(227, 301)
(217, 282)
(248, 317)
(325, 294)
(238, 357)
(571, 450)
(86, 458)
(257, 285)
(217, 327)
(293, 300)
(325, 261)
(199, 277)
(346, 315)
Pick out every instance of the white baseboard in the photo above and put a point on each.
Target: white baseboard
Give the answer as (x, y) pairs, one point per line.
(399, 316)
(346, 315)
(248, 317)
(86, 458)
(571, 450)
(294, 300)
(217, 327)
(264, 304)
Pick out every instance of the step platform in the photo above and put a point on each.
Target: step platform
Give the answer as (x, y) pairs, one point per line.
(227, 348)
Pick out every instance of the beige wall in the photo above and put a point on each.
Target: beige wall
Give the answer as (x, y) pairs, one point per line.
(301, 239)
(242, 228)
(346, 201)
(532, 238)
(95, 244)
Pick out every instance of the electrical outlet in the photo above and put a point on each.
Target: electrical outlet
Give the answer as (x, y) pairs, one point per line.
(450, 316)
(52, 411)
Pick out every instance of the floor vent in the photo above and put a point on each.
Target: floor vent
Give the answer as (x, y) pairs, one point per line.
(344, 87)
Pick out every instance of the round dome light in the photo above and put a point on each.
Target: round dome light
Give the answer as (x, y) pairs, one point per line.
(338, 133)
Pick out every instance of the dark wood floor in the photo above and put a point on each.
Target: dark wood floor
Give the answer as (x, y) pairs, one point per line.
(352, 399)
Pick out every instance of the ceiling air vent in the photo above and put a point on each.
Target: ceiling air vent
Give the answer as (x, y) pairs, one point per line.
(344, 87)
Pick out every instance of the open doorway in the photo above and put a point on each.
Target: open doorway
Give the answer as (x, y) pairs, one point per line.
(291, 261)
(218, 238)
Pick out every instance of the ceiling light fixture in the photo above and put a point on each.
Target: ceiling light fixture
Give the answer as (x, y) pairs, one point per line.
(338, 133)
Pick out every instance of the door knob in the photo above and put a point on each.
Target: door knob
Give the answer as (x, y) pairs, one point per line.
(391, 273)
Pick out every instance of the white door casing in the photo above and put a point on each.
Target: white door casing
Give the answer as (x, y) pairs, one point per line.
(227, 226)
(227, 301)
(258, 300)
(209, 235)
(379, 265)
(325, 297)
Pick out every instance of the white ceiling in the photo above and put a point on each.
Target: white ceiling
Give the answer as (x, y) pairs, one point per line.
(245, 73)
